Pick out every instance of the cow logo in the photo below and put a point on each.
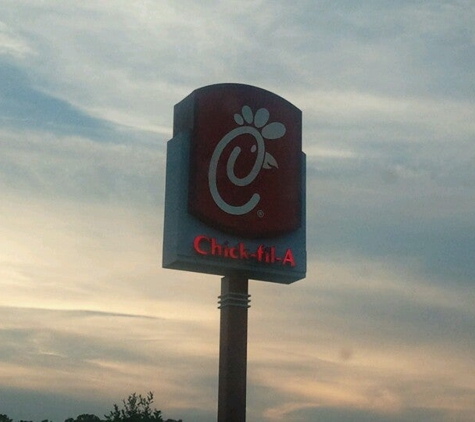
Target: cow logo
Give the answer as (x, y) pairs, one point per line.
(256, 126)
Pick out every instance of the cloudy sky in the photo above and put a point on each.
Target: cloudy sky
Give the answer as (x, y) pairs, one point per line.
(382, 328)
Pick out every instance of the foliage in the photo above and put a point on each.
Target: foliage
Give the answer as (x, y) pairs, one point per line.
(136, 409)
(85, 417)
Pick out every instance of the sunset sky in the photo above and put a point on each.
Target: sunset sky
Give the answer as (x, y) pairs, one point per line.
(383, 326)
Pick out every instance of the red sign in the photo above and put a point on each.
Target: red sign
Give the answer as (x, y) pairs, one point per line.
(245, 166)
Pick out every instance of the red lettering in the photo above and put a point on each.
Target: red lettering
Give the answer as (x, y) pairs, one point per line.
(267, 256)
(272, 254)
(205, 245)
(289, 258)
(243, 252)
(260, 251)
(216, 248)
(196, 244)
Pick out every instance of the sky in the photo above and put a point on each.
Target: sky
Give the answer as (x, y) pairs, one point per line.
(383, 326)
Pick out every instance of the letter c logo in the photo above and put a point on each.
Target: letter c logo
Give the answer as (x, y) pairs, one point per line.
(263, 159)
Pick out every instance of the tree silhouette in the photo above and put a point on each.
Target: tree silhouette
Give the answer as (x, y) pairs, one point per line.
(136, 409)
(85, 417)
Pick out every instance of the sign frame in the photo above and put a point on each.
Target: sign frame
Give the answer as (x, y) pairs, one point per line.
(191, 243)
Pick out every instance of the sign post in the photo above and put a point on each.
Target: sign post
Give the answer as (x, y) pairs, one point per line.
(235, 207)
(234, 303)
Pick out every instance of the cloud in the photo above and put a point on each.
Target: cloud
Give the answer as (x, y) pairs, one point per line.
(71, 166)
(356, 415)
(44, 405)
(362, 335)
(401, 210)
(382, 327)
(23, 105)
(125, 81)
(11, 43)
(56, 351)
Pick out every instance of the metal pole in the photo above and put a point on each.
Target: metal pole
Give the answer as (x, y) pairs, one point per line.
(234, 303)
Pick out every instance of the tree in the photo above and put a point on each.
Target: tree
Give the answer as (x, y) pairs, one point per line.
(136, 409)
(85, 417)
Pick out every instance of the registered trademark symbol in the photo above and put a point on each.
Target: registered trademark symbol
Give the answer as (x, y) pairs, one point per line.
(260, 213)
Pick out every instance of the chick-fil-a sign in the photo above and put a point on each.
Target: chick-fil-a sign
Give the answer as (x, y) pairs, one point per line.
(235, 185)
(245, 164)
